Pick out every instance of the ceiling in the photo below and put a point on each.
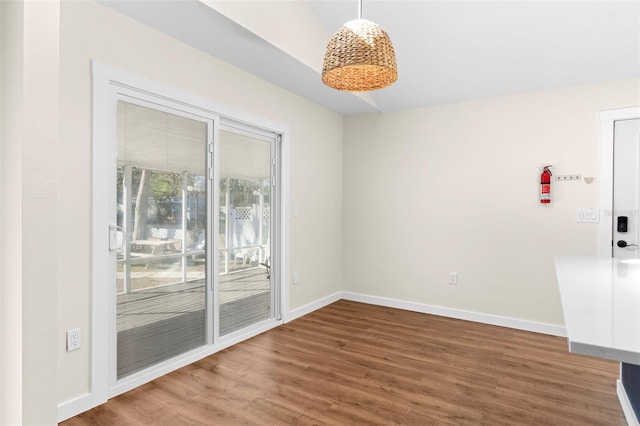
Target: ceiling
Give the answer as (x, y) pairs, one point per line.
(447, 51)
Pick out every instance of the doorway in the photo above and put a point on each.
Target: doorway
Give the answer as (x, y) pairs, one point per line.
(620, 183)
(188, 236)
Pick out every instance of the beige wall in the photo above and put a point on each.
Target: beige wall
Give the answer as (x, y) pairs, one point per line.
(29, 198)
(91, 31)
(10, 224)
(455, 187)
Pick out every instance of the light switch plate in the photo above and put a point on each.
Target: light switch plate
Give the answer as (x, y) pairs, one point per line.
(587, 215)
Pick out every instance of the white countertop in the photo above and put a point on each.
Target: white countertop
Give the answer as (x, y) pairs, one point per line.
(601, 306)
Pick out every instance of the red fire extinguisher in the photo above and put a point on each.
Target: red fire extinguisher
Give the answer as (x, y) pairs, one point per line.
(545, 185)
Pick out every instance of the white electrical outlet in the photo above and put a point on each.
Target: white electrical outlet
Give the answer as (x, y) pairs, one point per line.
(296, 278)
(453, 278)
(73, 339)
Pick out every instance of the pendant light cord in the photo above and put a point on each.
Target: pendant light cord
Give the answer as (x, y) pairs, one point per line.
(360, 9)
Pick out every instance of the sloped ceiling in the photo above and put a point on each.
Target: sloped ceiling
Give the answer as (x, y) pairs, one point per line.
(447, 51)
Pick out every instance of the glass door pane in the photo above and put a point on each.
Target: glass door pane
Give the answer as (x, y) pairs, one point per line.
(245, 284)
(162, 217)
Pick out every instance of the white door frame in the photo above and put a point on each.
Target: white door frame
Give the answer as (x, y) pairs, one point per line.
(107, 81)
(607, 123)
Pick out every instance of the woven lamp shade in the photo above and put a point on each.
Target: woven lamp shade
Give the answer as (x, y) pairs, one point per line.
(359, 57)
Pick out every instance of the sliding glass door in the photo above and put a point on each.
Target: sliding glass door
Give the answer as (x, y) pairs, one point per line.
(186, 230)
(195, 241)
(248, 210)
(162, 224)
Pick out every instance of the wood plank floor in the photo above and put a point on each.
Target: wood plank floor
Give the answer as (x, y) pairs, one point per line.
(352, 363)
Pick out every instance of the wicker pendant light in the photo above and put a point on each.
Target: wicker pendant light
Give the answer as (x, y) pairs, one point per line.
(359, 57)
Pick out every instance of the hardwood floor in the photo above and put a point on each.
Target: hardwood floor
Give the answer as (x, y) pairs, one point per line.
(352, 363)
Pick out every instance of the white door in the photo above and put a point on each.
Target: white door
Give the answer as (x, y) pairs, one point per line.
(162, 277)
(248, 256)
(626, 189)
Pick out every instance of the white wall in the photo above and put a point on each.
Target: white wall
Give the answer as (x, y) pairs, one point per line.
(91, 31)
(455, 188)
(30, 68)
(10, 244)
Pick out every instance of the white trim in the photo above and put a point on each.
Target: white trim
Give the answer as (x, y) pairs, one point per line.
(213, 268)
(74, 406)
(627, 409)
(285, 223)
(533, 326)
(607, 121)
(313, 306)
(537, 327)
(103, 120)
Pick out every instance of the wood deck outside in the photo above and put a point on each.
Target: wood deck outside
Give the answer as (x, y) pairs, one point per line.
(158, 323)
(143, 307)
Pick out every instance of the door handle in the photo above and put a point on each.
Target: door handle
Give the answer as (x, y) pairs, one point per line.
(114, 244)
(623, 244)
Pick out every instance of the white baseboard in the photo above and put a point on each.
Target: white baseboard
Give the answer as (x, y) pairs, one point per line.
(75, 406)
(629, 414)
(313, 306)
(538, 327)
